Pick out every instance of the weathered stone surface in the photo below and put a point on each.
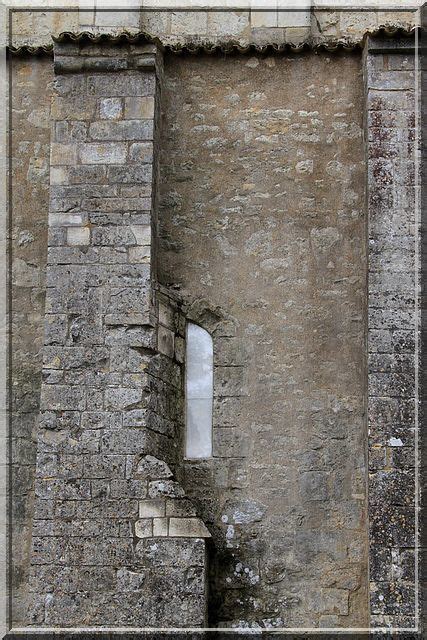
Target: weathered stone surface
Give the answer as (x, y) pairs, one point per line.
(391, 331)
(102, 153)
(108, 418)
(150, 467)
(277, 276)
(31, 80)
(35, 27)
(187, 528)
(286, 487)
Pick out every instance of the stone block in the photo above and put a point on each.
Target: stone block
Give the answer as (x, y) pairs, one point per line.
(70, 85)
(227, 411)
(179, 349)
(392, 486)
(141, 152)
(334, 601)
(63, 397)
(128, 302)
(137, 380)
(399, 62)
(329, 622)
(229, 351)
(131, 337)
(381, 99)
(127, 440)
(391, 385)
(136, 191)
(160, 527)
(131, 174)
(170, 552)
(152, 508)
(110, 108)
(77, 236)
(58, 175)
(230, 443)
(169, 488)
(121, 398)
(122, 130)
(166, 315)
(296, 18)
(152, 468)
(391, 81)
(110, 205)
(398, 531)
(187, 528)
(88, 174)
(263, 19)
(123, 20)
(69, 131)
(144, 528)
(139, 108)
(139, 255)
(99, 153)
(79, 107)
(189, 23)
(136, 417)
(125, 85)
(228, 23)
(113, 236)
(55, 328)
(130, 580)
(166, 339)
(120, 488)
(182, 508)
(100, 466)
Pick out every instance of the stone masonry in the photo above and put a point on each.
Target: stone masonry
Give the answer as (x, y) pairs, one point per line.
(262, 233)
(268, 197)
(317, 23)
(114, 541)
(31, 91)
(392, 330)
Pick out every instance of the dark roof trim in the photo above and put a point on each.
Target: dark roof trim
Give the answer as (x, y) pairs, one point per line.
(232, 46)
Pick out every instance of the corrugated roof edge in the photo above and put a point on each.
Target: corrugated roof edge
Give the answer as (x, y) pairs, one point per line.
(227, 47)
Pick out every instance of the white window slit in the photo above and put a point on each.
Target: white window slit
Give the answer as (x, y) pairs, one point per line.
(198, 392)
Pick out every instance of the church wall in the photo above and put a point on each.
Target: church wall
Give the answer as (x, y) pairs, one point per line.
(262, 231)
(31, 86)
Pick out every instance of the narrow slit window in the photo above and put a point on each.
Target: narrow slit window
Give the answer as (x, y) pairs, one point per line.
(198, 392)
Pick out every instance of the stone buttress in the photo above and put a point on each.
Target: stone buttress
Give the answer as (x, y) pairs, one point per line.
(393, 235)
(115, 540)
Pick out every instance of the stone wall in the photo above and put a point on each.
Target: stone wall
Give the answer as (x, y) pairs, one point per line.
(106, 550)
(262, 158)
(422, 556)
(31, 88)
(262, 231)
(393, 327)
(175, 26)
